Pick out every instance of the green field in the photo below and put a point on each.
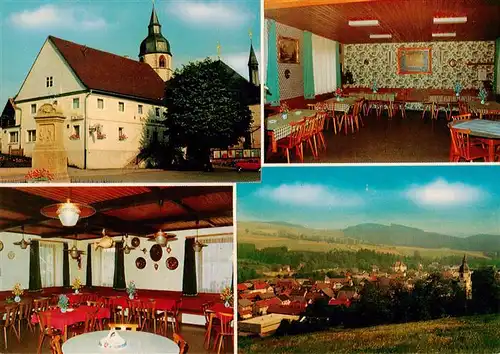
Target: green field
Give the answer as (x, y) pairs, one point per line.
(475, 334)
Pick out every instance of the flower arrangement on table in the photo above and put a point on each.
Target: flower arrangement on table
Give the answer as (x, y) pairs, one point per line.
(17, 291)
(338, 93)
(63, 302)
(122, 137)
(483, 95)
(74, 136)
(77, 284)
(284, 109)
(227, 296)
(458, 88)
(38, 175)
(375, 86)
(131, 290)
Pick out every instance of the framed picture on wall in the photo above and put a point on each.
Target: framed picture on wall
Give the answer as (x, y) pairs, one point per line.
(414, 61)
(288, 50)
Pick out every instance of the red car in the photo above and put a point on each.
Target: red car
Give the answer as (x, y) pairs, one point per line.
(248, 165)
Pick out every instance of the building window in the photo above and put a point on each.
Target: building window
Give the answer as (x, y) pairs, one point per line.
(215, 266)
(147, 133)
(121, 106)
(162, 61)
(107, 266)
(14, 137)
(157, 111)
(100, 103)
(33, 108)
(76, 103)
(31, 136)
(139, 109)
(49, 81)
(76, 133)
(121, 134)
(47, 264)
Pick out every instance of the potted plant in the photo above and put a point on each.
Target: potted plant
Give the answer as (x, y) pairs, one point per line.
(338, 94)
(74, 136)
(77, 284)
(375, 86)
(227, 296)
(17, 291)
(131, 290)
(483, 95)
(122, 137)
(458, 88)
(284, 109)
(63, 303)
(38, 175)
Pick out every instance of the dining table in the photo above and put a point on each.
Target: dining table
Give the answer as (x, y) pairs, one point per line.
(137, 342)
(487, 108)
(279, 127)
(489, 130)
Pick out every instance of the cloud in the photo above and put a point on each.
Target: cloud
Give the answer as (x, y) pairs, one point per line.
(220, 14)
(52, 16)
(309, 195)
(442, 193)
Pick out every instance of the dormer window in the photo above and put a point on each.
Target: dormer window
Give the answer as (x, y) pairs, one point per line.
(162, 61)
(157, 110)
(49, 81)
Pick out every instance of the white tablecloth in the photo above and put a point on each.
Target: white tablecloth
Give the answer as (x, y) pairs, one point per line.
(137, 343)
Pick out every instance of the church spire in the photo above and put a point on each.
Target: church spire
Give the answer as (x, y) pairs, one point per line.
(154, 24)
(253, 64)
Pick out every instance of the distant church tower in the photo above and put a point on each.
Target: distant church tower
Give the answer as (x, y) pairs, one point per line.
(155, 49)
(465, 277)
(253, 66)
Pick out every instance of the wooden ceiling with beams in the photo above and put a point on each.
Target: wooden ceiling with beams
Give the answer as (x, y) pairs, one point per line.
(406, 20)
(134, 210)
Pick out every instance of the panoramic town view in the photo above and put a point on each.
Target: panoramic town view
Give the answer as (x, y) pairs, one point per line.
(369, 259)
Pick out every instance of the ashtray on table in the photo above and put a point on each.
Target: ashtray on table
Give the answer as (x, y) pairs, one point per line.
(113, 341)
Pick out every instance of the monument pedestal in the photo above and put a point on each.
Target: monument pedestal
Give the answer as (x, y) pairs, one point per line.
(49, 151)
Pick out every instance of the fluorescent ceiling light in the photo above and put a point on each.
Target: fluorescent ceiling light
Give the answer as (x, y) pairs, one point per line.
(447, 20)
(376, 36)
(449, 34)
(364, 23)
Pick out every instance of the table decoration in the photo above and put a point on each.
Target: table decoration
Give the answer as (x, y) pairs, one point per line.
(131, 290)
(227, 296)
(17, 291)
(483, 95)
(63, 303)
(374, 86)
(113, 340)
(77, 284)
(458, 88)
(284, 109)
(338, 94)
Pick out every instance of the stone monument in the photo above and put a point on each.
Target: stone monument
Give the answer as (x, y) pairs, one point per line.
(49, 151)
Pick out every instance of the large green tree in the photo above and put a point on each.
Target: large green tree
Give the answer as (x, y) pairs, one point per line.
(206, 108)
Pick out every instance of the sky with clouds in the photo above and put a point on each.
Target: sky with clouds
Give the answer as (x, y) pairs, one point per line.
(459, 201)
(193, 28)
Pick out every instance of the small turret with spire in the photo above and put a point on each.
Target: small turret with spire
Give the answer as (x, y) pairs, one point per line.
(465, 277)
(253, 64)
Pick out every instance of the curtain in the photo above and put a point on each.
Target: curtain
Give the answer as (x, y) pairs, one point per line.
(496, 73)
(65, 266)
(35, 282)
(189, 276)
(47, 264)
(119, 277)
(266, 40)
(216, 266)
(337, 63)
(325, 64)
(88, 282)
(308, 65)
(272, 80)
(107, 266)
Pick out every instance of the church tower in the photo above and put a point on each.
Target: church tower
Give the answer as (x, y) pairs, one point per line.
(253, 66)
(464, 274)
(155, 49)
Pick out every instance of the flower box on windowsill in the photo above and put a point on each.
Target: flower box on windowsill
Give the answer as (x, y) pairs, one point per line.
(74, 137)
(38, 175)
(122, 137)
(101, 136)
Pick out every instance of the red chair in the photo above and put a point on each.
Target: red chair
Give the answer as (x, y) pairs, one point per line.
(319, 138)
(209, 326)
(463, 107)
(463, 147)
(308, 135)
(46, 329)
(353, 118)
(293, 141)
(225, 331)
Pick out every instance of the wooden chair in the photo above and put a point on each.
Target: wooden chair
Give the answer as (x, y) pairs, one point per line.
(225, 331)
(24, 314)
(55, 345)
(351, 119)
(46, 329)
(183, 346)
(465, 116)
(124, 326)
(210, 322)
(9, 322)
(319, 138)
(463, 148)
(134, 312)
(118, 309)
(88, 325)
(147, 318)
(42, 304)
(463, 107)
(308, 135)
(293, 141)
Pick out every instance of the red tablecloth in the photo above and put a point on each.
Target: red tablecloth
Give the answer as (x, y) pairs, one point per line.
(74, 298)
(221, 308)
(61, 320)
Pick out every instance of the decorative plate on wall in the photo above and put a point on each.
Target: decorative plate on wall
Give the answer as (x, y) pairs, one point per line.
(140, 263)
(11, 255)
(156, 252)
(1, 245)
(172, 263)
(136, 242)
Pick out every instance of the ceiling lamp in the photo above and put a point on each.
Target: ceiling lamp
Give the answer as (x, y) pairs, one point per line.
(127, 248)
(76, 254)
(23, 243)
(162, 238)
(444, 34)
(449, 20)
(380, 36)
(198, 246)
(363, 23)
(68, 213)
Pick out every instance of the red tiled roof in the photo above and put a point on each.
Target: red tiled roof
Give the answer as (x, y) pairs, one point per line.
(111, 73)
(259, 285)
(338, 302)
(242, 287)
(284, 310)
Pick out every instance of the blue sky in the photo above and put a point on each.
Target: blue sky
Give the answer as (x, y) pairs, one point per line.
(118, 26)
(458, 200)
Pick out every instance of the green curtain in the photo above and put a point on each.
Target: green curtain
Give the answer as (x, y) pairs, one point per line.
(65, 266)
(497, 64)
(272, 66)
(337, 62)
(35, 283)
(119, 278)
(88, 283)
(189, 277)
(307, 59)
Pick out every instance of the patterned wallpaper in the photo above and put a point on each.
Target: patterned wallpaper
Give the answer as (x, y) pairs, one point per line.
(382, 64)
(294, 85)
